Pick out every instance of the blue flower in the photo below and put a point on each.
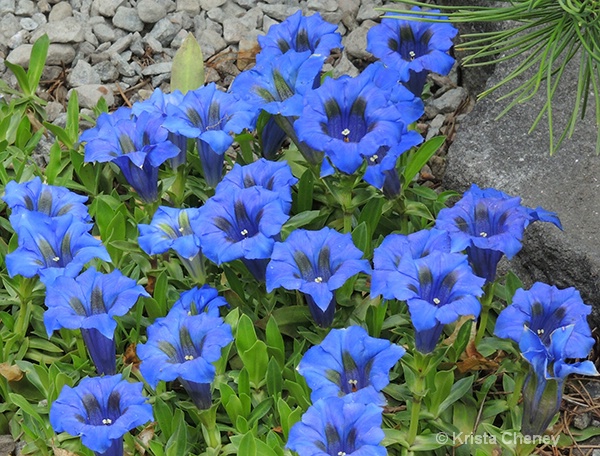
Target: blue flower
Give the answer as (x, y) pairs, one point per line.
(184, 347)
(271, 137)
(395, 255)
(241, 224)
(157, 104)
(137, 146)
(101, 411)
(543, 309)
(46, 199)
(199, 300)
(317, 263)
(438, 288)
(274, 176)
(350, 119)
(91, 302)
(209, 116)
(413, 47)
(51, 247)
(348, 361)
(488, 224)
(299, 33)
(334, 426)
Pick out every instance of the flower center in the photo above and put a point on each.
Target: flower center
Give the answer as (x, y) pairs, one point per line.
(56, 259)
(483, 234)
(180, 229)
(436, 301)
(353, 386)
(341, 453)
(319, 279)
(345, 133)
(107, 421)
(188, 357)
(540, 331)
(244, 232)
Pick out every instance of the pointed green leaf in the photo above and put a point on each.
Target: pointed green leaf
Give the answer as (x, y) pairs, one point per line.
(420, 158)
(37, 62)
(188, 66)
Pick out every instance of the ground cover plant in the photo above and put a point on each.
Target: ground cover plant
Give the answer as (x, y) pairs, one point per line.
(164, 293)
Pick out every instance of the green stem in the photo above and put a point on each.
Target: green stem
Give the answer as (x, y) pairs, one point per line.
(25, 290)
(486, 305)
(210, 432)
(413, 429)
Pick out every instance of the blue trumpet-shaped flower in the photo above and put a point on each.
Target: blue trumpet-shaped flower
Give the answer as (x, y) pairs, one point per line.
(338, 427)
(210, 116)
(348, 361)
(271, 137)
(91, 302)
(101, 411)
(46, 199)
(550, 327)
(299, 33)
(51, 247)
(413, 47)
(350, 119)
(184, 347)
(158, 104)
(241, 224)
(488, 224)
(205, 299)
(438, 288)
(274, 176)
(317, 263)
(396, 254)
(138, 146)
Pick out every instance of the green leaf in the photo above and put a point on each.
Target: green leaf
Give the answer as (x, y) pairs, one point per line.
(459, 389)
(421, 156)
(21, 76)
(55, 163)
(274, 378)
(361, 238)
(188, 66)
(427, 442)
(256, 359)
(177, 443)
(298, 221)
(306, 186)
(371, 213)
(248, 445)
(260, 411)
(37, 61)
(245, 337)
(72, 127)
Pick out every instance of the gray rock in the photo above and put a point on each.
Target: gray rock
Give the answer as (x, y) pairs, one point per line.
(234, 29)
(349, 7)
(333, 17)
(9, 26)
(596, 452)
(7, 444)
(18, 39)
(28, 24)
(20, 55)
(367, 12)
(246, 3)
(355, 42)
(7, 6)
(157, 68)
(108, 8)
(39, 18)
(82, 74)
(503, 155)
(434, 126)
(84, 50)
(60, 11)
(90, 38)
(104, 32)
(53, 110)
(122, 65)
(165, 30)
(89, 95)
(153, 44)
(43, 6)
(345, 66)
(107, 71)
(59, 54)
(207, 5)
(178, 40)
(137, 46)
(279, 12)
(25, 8)
(582, 420)
(127, 19)
(447, 103)
(120, 45)
(68, 30)
(268, 22)
(211, 43)
(151, 11)
(192, 7)
(322, 5)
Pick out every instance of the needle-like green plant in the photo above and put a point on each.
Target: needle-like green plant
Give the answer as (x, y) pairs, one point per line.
(545, 35)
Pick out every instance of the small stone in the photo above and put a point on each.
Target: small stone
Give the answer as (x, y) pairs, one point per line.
(108, 8)
(89, 95)
(438, 166)
(60, 54)
(596, 452)
(153, 43)
(25, 8)
(127, 19)
(247, 49)
(151, 11)
(178, 40)
(350, 7)
(28, 24)
(245, 3)
(83, 74)
(107, 71)
(39, 18)
(355, 42)
(189, 6)
(164, 31)
(60, 11)
(267, 23)
(345, 66)
(7, 6)
(137, 46)
(447, 103)
(120, 45)
(157, 68)
(211, 43)
(434, 126)
(84, 50)
(234, 29)
(18, 39)
(121, 65)
(43, 6)
(211, 75)
(367, 12)
(279, 12)
(7, 444)
(91, 39)
(322, 5)
(53, 110)
(104, 32)
(68, 30)
(20, 55)
(207, 5)
(582, 421)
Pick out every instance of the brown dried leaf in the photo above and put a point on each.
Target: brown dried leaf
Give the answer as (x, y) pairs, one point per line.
(11, 372)
(61, 452)
(130, 357)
